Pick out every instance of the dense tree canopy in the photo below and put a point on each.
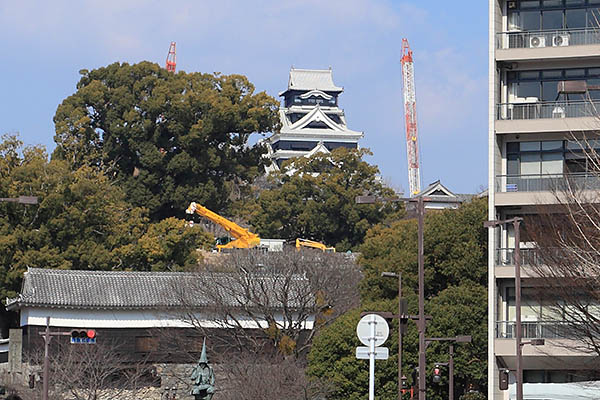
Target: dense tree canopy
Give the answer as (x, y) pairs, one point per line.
(81, 221)
(314, 199)
(456, 298)
(455, 251)
(168, 139)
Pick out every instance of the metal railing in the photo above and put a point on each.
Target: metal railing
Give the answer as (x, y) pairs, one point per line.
(535, 329)
(505, 257)
(547, 182)
(550, 109)
(555, 38)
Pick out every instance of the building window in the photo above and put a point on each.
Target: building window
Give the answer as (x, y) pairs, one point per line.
(527, 15)
(543, 85)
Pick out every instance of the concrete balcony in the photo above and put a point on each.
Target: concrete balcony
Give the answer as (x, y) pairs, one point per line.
(560, 351)
(505, 262)
(548, 45)
(536, 189)
(543, 117)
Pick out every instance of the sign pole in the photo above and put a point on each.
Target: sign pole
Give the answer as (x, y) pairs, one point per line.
(373, 324)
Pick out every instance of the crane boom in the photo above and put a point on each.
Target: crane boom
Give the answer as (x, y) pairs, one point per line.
(171, 62)
(410, 112)
(315, 245)
(244, 238)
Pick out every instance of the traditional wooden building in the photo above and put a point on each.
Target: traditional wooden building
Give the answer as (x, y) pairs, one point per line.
(311, 119)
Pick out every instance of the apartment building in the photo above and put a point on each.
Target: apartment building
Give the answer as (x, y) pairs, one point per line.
(544, 87)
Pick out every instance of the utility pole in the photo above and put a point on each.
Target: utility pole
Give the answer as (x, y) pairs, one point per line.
(402, 319)
(422, 327)
(516, 221)
(421, 324)
(47, 337)
(452, 340)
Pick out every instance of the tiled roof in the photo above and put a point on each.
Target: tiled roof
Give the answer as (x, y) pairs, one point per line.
(309, 79)
(123, 289)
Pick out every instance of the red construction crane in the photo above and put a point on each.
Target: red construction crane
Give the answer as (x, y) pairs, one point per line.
(410, 112)
(171, 58)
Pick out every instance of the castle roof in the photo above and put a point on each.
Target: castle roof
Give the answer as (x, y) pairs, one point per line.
(312, 79)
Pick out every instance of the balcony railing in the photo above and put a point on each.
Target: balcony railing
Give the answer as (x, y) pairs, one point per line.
(550, 109)
(506, 257)
(535, 329)
(539, 39)
(547, 182)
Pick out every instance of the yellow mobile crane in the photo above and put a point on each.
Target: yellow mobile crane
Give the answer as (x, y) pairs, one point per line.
(315, 245)
(244, 239)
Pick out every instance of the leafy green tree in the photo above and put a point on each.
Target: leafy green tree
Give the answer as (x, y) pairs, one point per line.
(166, 138)
(455, 251)
(81, 221)
(456, 298)
(315, 199)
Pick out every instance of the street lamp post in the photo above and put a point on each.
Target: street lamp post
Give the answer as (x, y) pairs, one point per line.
(457, 339)
(401, 318)
(421, 324)
(516, 221)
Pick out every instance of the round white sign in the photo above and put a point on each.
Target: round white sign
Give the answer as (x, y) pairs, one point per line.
(363, 329)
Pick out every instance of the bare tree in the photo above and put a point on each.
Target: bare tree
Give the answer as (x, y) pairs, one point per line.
(273, 302)
(566, 260)
(95, 371)
(251, 378)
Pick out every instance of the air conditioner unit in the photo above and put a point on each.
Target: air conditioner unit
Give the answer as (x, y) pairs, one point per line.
(537, 41)
(558, 112)
(560, 40)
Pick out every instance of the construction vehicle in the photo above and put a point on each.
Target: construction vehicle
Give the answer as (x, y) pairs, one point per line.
(315, 245)
(244, 239)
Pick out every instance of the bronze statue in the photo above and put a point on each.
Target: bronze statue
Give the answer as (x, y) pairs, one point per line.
(203, 378)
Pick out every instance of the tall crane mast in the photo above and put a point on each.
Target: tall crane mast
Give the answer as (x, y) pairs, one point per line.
(171, 59)
(410, 112)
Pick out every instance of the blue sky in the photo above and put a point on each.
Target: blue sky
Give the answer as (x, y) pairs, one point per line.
(45, 44)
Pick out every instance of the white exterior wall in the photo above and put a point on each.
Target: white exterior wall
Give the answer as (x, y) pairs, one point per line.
(60, 317)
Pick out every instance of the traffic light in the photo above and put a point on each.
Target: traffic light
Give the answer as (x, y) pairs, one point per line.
(404, 382)
(83, 336)
(503, 381)
(436, 374)
(415, 377)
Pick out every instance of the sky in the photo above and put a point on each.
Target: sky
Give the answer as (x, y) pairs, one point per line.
(46, 44)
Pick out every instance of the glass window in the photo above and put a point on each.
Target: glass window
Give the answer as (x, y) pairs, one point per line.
(529, 75)
(529, 4)
(556, 73)
(575, 73)
(593, 71)
(594, 1)
(575, 19)
(528, 89)
(530, 146)
(530, 163)
(512, 164)
(550, 91)
(575, 2)
(552, 19)
(551, 3)
(512, 147)
(552, 145)
(530, 20)
(552, 163)
(593, 17)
